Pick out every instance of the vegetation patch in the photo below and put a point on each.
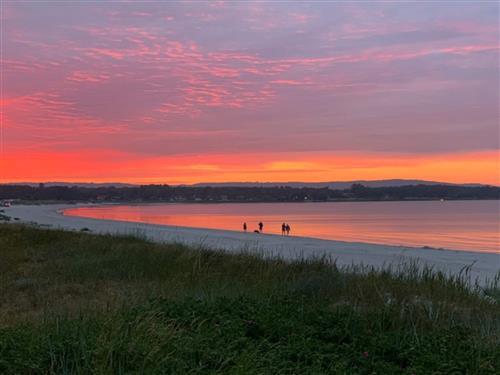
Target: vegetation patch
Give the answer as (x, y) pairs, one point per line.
(74, 302)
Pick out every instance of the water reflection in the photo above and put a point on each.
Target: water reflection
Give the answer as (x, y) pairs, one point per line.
(461, 225)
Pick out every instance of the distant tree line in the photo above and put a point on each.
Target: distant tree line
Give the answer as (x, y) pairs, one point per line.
(166, 193)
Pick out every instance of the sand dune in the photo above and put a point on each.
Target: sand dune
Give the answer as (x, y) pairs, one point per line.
(483, 266)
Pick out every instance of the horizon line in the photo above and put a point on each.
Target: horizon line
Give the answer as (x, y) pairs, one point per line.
(241, 182)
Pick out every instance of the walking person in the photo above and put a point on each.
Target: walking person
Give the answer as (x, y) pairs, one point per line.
(283, 229)
(287, 228)
(261, 226)
(245, 227)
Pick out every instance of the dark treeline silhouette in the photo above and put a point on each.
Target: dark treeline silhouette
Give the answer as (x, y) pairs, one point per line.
(166, 193)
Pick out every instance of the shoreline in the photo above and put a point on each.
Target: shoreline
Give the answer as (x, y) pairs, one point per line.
(483, 266)
(142, 203)
(297, 237)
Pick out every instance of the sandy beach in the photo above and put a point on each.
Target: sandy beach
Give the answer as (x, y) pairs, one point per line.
(483, 266)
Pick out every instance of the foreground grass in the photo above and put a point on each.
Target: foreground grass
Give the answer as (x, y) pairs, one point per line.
(81, 303)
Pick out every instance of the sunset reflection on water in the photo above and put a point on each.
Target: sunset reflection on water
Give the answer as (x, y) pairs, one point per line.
(460, 225)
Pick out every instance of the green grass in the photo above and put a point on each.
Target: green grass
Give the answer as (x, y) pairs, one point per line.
(80, 303)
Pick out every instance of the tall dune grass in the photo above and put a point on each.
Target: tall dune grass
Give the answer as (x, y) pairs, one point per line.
(81, 303)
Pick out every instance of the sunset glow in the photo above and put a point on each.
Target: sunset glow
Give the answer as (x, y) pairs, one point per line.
(187, 92)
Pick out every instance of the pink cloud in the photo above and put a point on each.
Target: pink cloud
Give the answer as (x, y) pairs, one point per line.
(300, 18)
(80, 76)
(105, 52)
(290, 82)
(106, 80)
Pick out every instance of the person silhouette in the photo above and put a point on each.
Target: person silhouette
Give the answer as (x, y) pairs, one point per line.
(287, 228)
(244, 227)
(261, 226)
(283, 229)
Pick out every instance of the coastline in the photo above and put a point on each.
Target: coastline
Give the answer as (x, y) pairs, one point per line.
(483, 267)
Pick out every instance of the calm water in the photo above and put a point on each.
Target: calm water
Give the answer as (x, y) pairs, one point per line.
(461, 225)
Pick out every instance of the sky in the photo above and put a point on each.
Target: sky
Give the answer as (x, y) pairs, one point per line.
(198, 91)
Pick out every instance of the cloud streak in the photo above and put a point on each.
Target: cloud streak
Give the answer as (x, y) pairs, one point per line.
(160, 80)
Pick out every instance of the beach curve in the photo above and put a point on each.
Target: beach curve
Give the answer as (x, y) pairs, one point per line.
(482, 267)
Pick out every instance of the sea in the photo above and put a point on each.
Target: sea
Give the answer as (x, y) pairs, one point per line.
(459, 225)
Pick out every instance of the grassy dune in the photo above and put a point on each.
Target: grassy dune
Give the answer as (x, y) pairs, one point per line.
(82, 303)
